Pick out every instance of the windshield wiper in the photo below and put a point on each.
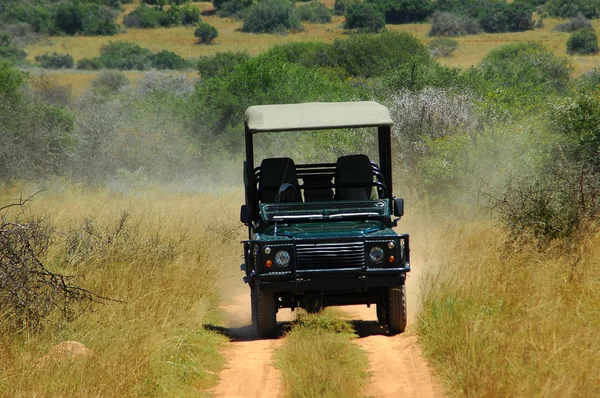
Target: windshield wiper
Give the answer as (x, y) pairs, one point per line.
(300, 216)
(365, 214)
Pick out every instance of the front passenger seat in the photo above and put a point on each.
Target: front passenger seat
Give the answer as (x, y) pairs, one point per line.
(357, 170)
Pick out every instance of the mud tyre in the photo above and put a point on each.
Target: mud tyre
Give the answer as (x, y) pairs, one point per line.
(266, 314)
(396, 309)
(253, 305)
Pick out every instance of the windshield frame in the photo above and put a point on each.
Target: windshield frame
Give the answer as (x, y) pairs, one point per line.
(297, 212)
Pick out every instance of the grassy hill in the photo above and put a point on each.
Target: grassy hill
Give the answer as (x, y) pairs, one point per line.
(471, 49)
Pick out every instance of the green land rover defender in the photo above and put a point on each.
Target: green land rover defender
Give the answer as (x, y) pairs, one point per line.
(321, 234)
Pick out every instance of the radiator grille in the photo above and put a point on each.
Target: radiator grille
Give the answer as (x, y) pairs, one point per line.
(330, 255)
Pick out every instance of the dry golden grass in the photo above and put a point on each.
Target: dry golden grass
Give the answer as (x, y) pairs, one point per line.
(511, 321)
(166, 267)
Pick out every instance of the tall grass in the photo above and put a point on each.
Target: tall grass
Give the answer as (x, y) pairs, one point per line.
(504, 320)
(162, 261)
(318, 358)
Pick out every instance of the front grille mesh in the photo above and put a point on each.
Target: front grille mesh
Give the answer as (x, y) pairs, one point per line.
(330, 255)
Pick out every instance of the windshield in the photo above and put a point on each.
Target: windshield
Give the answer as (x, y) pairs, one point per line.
(335, 210)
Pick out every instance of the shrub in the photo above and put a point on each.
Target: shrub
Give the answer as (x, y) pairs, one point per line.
(36, 16)
(375, 55)
(403, 11)
(513, 17)
(231, 8)
(86, 19)
(314, 12)
(190, 15)
(574, 24)
(111, 81)
(340, 6)
(125, 56)
(168, 60)
(570, 8)
(583, 42)
(89, 64)
(12, 54)
(55, 61)
(309, 54)
(221, 63)
(442, 47)
(448, 24)
(272, 16)
(172, 17)
(206, 33)
(11, 79)
(527, 67)
(364, 17)
(143, 17)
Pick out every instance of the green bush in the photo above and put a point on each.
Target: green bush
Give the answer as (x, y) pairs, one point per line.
(111, 81)
(168, 60)
(574, 24)
(172, 17)
(442, 47)
(232, 8)
(513, 17)
(125, 56)
(221, 63)
(583, 42)
(448, 24)
(364, 18)
(272, 16)
(55, 61)
(90, 64)
(340, 6)
(314, 12)
(11, 79)
(376, 55)
(404, 11)
(12, 54)
(206, 33)
(570, 8)
(308, 54)
(190, 15)
(36, 16)
(85, 19)
(144, 17)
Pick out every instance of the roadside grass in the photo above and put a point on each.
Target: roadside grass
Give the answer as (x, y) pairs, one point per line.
(501, 319)
(319, 359)
(163, 264)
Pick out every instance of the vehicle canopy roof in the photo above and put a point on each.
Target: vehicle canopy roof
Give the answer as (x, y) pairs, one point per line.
(316, 116)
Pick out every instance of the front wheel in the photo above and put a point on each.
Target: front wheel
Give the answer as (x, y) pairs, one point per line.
(381, 313)
(265, 314)
(396, 309)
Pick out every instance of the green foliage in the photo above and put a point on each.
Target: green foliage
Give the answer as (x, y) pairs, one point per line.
(11, 79)
(308, 54)
(583, 41)
(526, 70)
(471, 8)
(90, 63)
(221, 63)
(513, 17)
(364, 18)
(125, 56)
(570, 8)
(55, 61)
(375, 55)
(206, 33)
(314, 12)
(577, 22)
(340, 6)
(272, 16)
(85, 19)
(36, 16)
(404, 11)
(168, 60)
(448, 24)
(232, 8)
(442, 47)
(149, 18)
(111, 81)
(12, 54)
(190, 15)
(578, 119)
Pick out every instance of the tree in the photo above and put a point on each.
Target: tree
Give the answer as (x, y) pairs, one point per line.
(364, 18)
(206, 33)
(583, 41)
(272, 16)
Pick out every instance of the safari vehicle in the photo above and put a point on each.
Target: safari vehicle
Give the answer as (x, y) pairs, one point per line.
(321, 234)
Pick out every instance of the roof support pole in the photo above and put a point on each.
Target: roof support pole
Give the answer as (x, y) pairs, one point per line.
(385, 156)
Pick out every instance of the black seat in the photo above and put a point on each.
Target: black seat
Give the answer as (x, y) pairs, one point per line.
(278, 181)
(318, 188)
(355, 170)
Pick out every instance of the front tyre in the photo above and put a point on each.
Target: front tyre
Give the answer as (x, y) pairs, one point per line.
(266, 314)
(396, 309)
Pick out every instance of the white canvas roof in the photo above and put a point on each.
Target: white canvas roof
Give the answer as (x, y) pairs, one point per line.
(316, 116)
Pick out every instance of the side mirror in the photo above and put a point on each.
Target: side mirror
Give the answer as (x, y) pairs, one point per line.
(398, 207)
(246, 214)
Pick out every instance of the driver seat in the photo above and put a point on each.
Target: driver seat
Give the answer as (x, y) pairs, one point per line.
(274, 173)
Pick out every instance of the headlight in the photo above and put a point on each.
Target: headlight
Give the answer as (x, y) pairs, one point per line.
(376, 254)
(282, 258)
